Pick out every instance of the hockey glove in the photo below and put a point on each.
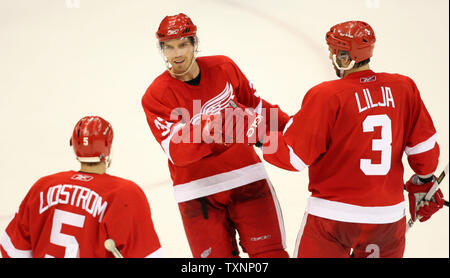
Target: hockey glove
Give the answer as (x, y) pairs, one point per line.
(242, 124)
(418, 206)
(211, 126)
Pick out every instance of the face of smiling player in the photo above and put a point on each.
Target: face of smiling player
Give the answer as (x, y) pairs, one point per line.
(180, 54)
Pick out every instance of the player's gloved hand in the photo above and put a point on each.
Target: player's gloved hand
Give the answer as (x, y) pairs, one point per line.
(209, 124)
(418, 207)
(242, 124)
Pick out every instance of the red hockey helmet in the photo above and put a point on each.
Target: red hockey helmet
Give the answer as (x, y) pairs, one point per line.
(356, 37)
(92, 139)
(175, 27)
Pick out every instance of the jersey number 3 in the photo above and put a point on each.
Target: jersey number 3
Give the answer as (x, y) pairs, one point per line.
(383, 145)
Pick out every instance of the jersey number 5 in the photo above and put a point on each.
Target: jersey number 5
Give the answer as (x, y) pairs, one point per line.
(61, 217)
(383, 145)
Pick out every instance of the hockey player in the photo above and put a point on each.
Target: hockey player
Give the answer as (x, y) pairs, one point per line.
(220, 188)
(71, 214)
(351, 133)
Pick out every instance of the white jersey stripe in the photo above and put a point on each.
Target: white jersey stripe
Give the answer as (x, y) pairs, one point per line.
(165, 144)
(288, 124)
(422, 147)
(296, 161)
(259, 108)
(279, 214)
(12, 251)
(220, 182)
(355, 214)
(156, 254)
(300, 234)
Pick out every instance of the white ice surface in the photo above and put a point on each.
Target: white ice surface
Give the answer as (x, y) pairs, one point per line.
(58, 64)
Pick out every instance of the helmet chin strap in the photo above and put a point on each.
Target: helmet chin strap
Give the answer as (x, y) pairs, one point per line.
(341, 69)
(108, 159)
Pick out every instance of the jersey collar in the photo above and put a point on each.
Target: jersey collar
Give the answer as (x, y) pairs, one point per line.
(359, 74)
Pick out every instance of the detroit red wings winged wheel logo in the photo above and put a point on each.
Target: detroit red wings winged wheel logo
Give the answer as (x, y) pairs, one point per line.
(216, 104)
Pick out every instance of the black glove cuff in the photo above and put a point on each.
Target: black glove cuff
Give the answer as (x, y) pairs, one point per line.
(259, 144)
(426, 180)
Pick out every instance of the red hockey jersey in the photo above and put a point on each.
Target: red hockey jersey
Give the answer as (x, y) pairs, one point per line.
(71, 214)
(352, 133)
(173, 107)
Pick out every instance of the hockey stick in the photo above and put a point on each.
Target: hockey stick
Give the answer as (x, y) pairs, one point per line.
(110, 245)
(430, 194)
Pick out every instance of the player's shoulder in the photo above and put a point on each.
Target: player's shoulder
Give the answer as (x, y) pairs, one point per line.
(404, 82)
(119, 180)
(55, 176)
(159, 94)
(159, 85)
(52, 179)
(121, 183)
(325, 85)
(326, 88)
(215, 60)
(395, 77)
(338, 85)
(328, 93)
